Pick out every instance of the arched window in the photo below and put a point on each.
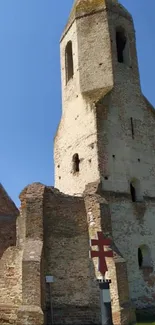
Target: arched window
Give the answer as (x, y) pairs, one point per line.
(76, 163)
(144, 257)
(69, 61)
(135, 191)
(122, 46)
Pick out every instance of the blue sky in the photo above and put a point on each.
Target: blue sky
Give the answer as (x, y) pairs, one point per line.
(30, 88)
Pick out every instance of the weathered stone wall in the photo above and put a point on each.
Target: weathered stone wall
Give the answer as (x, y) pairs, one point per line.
(53, 229)
(98, 105)
(99, 219)
(10, 268)
(31, 241)
(64, 224)
(122, 160)
(75, 295)
(10, 284)
(79, 126)
(10, 260)
(133, 226)
(122, 157)
(77, 131)
(7, 206)
(96, 72)
(94, 56)
(10, 277)
(7, 233)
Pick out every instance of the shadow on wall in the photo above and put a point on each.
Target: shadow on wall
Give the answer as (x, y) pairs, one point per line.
(7, 233)
(10, 270)
(75, 294)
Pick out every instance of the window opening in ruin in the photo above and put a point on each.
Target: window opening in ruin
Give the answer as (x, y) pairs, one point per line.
(140, 258)
(133, 192)
(76, 163)
(144, 257)
(69, 61)
(121, 42)
(132, 128)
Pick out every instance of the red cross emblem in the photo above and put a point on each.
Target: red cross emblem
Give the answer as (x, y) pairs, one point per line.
(101, 254)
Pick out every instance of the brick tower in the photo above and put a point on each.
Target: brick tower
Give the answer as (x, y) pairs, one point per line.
(104, 174)
(98, 68)
(106, 134)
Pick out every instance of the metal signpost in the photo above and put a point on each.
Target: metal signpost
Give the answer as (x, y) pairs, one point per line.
(105, 299)
(50, 280)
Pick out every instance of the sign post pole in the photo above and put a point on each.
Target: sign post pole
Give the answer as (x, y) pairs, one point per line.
(106, 312)
(104, 285)
(50, 280)
(50, 284)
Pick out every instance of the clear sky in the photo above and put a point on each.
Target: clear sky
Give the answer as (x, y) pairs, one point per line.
(30, 89)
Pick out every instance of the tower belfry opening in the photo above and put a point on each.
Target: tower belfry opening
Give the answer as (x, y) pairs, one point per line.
(69, 61)
(121, 42)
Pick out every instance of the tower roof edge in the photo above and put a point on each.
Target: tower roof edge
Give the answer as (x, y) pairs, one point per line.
(81, 8)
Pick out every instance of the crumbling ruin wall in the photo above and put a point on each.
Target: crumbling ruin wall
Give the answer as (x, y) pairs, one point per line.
(133, 229)
(75, 295)
(10, 260)
(30, 311)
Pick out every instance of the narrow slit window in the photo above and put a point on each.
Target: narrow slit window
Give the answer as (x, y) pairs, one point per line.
(133, 192)
(122, 46)
(140, 258)
(69, 61)
(132, 128)
(76, 163)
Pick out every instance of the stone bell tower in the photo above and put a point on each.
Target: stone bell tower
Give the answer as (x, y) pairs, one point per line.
(99, 73)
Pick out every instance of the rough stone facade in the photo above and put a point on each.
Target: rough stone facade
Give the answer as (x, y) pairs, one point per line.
(110, 125)
(104, 169)
(10, 290)
(58, 245)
